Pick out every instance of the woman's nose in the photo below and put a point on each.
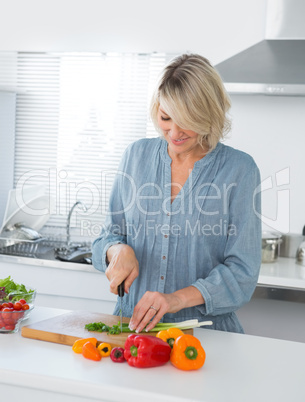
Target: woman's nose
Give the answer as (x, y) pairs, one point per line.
(175, 130)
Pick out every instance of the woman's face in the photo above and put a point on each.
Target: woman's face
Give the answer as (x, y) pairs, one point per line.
(180, 141)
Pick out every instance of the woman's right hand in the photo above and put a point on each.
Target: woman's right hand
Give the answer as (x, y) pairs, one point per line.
(123, 265)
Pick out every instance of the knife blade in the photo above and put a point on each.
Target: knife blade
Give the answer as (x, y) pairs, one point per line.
(121, 294)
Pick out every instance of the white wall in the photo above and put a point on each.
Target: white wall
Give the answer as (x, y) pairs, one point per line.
(269, 128)
(7, 146)
(272, 130)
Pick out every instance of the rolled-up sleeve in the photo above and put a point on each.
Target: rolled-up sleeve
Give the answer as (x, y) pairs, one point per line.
(231, 284)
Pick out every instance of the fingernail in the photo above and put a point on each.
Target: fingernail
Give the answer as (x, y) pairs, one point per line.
(131, 327)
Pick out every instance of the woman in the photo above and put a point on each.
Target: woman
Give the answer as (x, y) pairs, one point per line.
(183, 229)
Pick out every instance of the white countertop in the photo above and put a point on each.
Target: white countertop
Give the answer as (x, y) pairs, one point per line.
(57, 264)
(283, 273)
(237, 368)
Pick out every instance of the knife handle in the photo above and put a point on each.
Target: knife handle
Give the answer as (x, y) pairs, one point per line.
(121, 289)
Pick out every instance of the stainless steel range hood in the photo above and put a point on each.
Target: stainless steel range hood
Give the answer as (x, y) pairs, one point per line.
(276, 65)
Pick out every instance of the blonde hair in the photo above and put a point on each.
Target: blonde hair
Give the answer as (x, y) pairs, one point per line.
(191, 92)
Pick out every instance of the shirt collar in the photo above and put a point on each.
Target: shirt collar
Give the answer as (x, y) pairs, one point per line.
(203, 161)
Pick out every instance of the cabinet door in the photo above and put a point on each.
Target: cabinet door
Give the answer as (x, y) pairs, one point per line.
(7, 146)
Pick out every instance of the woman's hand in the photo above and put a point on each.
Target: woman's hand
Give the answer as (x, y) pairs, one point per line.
(123, 265)
(153, 305)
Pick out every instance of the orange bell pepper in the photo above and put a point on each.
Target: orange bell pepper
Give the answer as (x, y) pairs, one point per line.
(78, 345)
(187, 353)
(170, 335)
(90, 351)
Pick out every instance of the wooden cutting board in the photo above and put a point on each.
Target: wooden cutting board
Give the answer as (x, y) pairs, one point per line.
(68, 327)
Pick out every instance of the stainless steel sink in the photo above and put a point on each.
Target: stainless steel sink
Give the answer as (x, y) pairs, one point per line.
(51, 250)
(47, 247)
(74, 253)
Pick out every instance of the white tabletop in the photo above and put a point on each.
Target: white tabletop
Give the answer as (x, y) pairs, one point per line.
(237, 368)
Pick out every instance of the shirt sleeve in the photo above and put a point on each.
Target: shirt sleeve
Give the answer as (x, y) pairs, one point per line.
(232, 283)
(113, 230)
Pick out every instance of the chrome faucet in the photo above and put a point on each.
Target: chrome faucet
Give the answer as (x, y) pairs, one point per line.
(69, 218)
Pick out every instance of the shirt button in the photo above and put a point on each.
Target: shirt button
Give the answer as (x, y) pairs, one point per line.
(162, 277)
(166, 236)
(164, 257)
(168, 214)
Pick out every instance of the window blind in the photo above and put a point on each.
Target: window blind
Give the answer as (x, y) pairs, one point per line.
(76, 114)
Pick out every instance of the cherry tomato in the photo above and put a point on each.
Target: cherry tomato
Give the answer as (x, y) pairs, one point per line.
(9, 320)
(17, 306)
(17, 315)
(22, 301)
(4, 305)
(7, 315)
(6, 310)
(25, 307)
(10, 327)
(11, 305)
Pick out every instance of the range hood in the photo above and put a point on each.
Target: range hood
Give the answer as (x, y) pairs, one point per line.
(276, 65)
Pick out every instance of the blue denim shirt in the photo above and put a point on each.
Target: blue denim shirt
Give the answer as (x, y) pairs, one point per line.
(208, 237)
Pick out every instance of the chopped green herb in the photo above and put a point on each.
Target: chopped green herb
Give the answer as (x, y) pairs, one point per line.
(115, 329)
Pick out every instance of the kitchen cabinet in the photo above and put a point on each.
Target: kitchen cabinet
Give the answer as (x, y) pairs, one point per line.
(61, 284)
(238, 368)
(277, 308)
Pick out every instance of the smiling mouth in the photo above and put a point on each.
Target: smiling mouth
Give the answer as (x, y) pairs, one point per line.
(180, 141)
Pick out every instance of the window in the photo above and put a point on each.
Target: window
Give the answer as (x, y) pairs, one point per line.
(75, 115)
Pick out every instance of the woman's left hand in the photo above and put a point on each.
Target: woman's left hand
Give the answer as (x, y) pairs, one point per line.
(153, 305)
(151, 308)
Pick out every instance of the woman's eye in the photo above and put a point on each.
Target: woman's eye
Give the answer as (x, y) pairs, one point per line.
(165, 118)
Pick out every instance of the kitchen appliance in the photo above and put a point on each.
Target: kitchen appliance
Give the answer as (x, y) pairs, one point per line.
(27, 211)
(300, 257)
(290, 244)
(274, 66)
(76, 254)
(34, 214)
(28, 197)
(13, 199)
(18, 233)
(270, 246)
(70, 326)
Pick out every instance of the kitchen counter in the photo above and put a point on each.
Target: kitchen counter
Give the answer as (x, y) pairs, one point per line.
(38, 262)
(237, 368)
(282, 273)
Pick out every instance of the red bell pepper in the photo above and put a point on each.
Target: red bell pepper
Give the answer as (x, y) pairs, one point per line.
(146, 351)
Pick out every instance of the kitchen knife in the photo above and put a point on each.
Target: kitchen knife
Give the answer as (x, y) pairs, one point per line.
(121, 294)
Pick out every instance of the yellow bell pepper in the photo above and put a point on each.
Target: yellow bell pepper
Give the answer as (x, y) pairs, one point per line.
(104, 349)
(78, 345)
(170, 335)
